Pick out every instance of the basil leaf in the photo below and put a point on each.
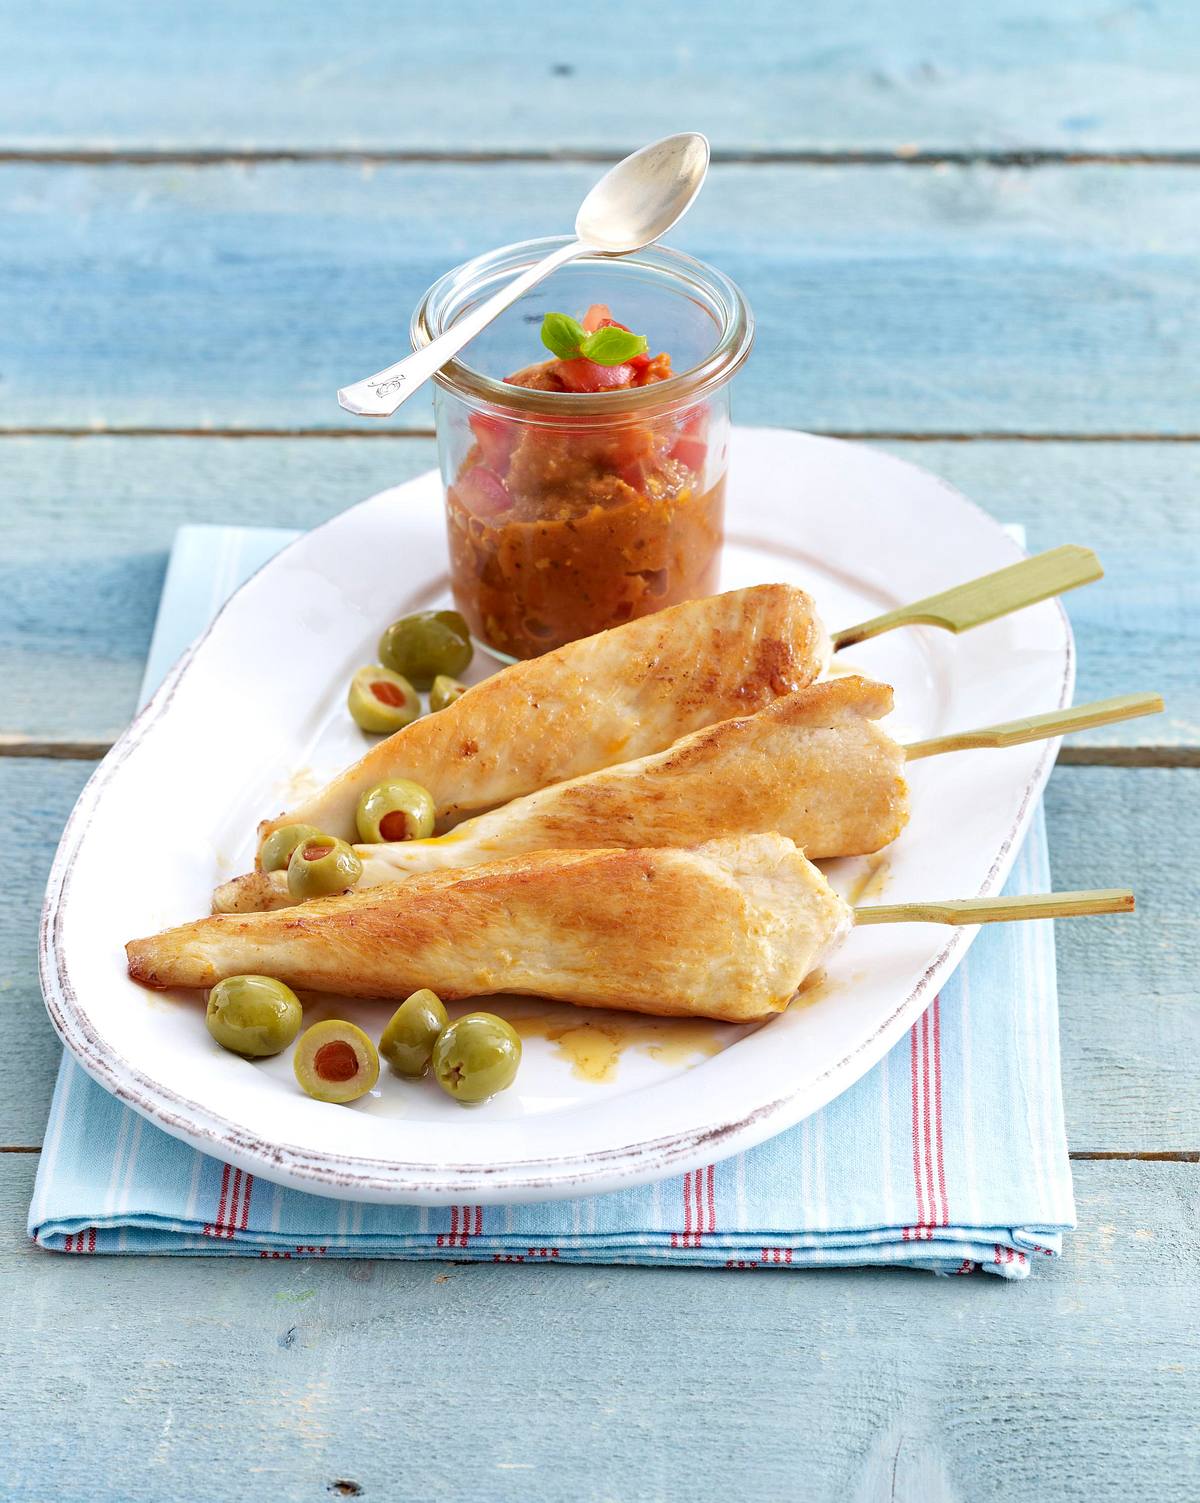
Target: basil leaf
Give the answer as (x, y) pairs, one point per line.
(562, 336)
(613, 346)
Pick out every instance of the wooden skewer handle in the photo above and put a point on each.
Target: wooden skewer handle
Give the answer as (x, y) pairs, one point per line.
(1000, 910)
(1041, 727)
(984, 599)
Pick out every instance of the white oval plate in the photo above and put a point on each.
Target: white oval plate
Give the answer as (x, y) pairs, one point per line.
(255, 709)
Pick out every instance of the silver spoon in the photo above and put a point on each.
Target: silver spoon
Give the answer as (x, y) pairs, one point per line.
(634, 204)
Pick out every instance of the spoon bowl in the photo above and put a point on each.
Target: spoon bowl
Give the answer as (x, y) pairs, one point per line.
(636, 202)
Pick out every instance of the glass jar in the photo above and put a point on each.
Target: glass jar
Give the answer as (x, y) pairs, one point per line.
(570, 512)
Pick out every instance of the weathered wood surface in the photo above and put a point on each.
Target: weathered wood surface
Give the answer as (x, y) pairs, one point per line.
(1078, 75)
(151, 1379)
(1130, 1010)
(960, 300)
(89, 524)
(1129, 1003)
(35, 800)
(89, 528)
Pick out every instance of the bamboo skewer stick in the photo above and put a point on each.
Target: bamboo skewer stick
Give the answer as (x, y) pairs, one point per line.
(1040, 727)
(1000, 910)
(986, 598)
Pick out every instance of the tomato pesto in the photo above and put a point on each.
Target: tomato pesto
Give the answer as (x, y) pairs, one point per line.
(561, 527)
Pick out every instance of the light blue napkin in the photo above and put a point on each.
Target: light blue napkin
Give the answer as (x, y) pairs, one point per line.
(950, 1155)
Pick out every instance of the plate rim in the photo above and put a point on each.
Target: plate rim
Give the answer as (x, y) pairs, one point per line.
(514, 1181)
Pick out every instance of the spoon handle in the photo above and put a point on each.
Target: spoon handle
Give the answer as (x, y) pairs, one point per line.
(379, 395)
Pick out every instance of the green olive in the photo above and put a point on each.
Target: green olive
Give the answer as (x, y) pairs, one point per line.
(445, 691)
(395, 810)
(321, 867)
(476, 1056)
(382, 701)
(276, 850)
(335, 1061)
(426, 644)
(407, 1041)
(253, 1015)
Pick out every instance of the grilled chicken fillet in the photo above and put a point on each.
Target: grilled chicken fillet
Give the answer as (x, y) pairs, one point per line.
(605, 699)
(813, 766)
(725, 930)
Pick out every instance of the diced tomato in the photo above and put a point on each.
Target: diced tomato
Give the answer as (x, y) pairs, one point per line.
(634, 475)
(691, 447)
(691, 453)
(482, 492)
(585, 375)
(598, 317)
(653, 368)
(629, 446)
(496, 439)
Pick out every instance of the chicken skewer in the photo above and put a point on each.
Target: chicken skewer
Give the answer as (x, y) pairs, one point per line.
(814, 765)
(725, 930)
(635, 689)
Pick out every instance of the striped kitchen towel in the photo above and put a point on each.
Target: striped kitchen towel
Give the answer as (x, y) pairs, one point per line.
(949, 1156)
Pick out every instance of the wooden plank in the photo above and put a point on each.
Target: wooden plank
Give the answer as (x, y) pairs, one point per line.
(959, 300)
(1130, 1005)
(297, 1380)
(35, 800)
(535, 76)
(90, 522)
(86, 549)
(1135, 504)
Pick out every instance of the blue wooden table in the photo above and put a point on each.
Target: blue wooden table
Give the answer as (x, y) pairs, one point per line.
(970, 234)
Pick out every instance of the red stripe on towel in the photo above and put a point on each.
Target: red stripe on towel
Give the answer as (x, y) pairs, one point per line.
(915, 1070)
(246, 1189)
(228, 1229)
(931, 1212)
(937, 1106)
(211, 1228)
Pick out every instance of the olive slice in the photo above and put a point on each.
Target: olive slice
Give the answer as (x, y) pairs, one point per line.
(396, 810)
(276, 850)
(445, 691)
(335, 1061)
(381, 701)
(320, 867)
